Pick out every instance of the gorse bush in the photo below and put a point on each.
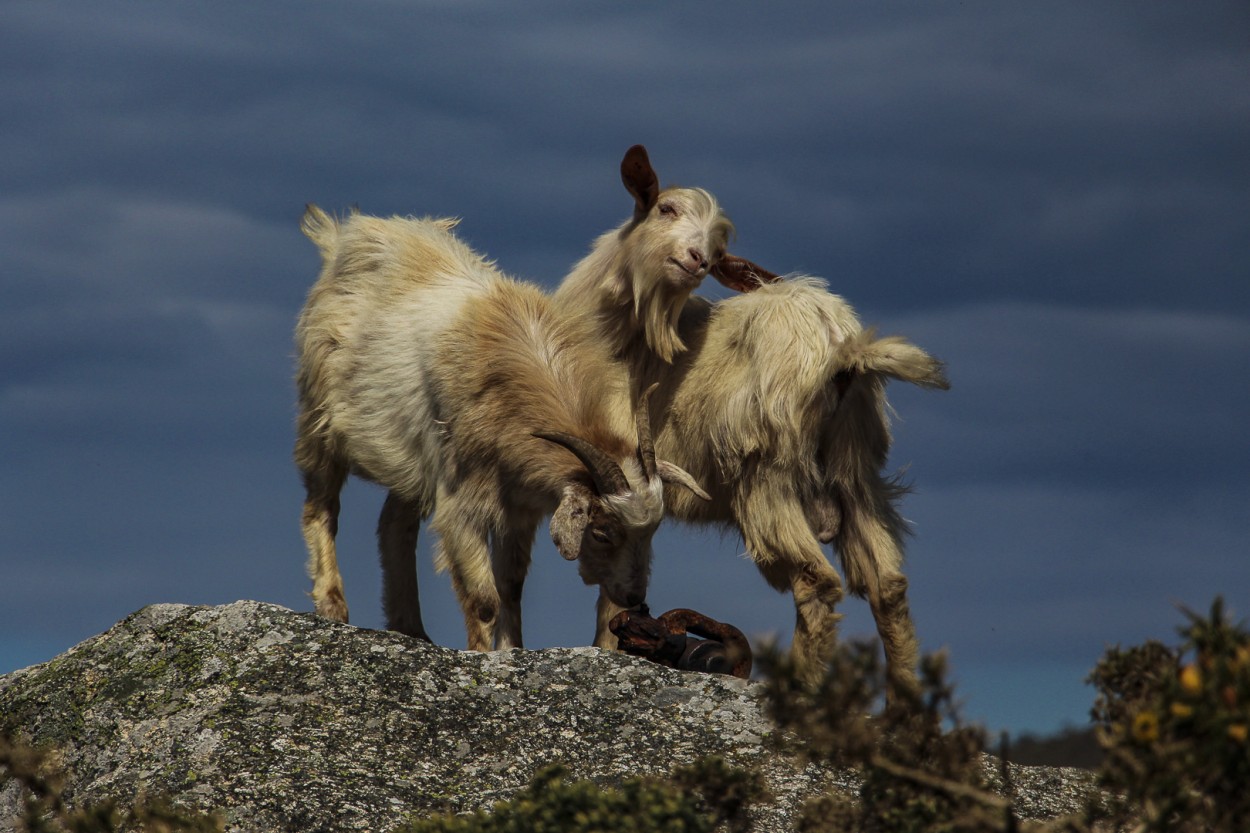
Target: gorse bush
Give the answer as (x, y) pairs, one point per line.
(1174, 723)
(918, 774)
(1174, 726)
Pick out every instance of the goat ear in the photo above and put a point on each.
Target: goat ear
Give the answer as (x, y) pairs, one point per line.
(741, 274)
(640, 180)
(568, 522)
(672, 473)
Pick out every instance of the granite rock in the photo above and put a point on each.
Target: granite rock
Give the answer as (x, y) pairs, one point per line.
(285, 721)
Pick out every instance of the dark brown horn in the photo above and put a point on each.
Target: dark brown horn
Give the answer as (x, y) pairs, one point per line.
(646, 445)
(741, 274)
(608, 477)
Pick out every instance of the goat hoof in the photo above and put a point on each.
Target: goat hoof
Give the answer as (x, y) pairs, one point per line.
(333, 606)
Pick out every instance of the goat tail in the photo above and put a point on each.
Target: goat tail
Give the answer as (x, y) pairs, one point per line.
(895, 357)
(321, 229)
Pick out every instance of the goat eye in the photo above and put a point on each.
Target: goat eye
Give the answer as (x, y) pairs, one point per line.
(668, 208)
(600, 535)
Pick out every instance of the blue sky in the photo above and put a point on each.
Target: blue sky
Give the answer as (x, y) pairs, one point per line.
(1052, 198)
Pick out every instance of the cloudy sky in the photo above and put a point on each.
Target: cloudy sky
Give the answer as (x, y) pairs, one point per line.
(1051, 197)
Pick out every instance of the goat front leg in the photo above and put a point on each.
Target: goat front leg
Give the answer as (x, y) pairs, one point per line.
(462, 549)
(398, 527)
(605, 611)
(510, 558)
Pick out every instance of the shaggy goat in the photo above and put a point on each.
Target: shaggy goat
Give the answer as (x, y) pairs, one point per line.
(779, 408)
(426, 370)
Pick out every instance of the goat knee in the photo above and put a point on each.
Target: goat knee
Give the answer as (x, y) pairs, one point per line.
(812, 584)
(481, 610)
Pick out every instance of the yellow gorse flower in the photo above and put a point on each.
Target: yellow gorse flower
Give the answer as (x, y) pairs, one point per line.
(1242, 658)
(1191, 679)
(1182, 711)
(1238, 732)
(1146, 727)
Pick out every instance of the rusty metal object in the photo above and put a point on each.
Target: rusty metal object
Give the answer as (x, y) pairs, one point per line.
(715, 647)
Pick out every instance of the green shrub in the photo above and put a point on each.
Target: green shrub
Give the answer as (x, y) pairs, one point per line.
(918, 774)
(1174, 725)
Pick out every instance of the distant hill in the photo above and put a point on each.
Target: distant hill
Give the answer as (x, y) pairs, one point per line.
(1073, 747)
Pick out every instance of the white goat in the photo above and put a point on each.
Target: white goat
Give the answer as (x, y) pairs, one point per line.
(778, 407)
(426, 370)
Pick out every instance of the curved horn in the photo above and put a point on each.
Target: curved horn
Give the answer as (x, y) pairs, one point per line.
(673, 473)
(741, 274)
(608, 477)
(646, 445)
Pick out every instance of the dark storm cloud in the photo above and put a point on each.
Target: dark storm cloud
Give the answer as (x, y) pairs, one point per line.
(1057, 393)
(1051, 199)
(99, 244)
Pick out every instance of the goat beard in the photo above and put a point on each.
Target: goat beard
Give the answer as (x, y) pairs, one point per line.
(657, 309)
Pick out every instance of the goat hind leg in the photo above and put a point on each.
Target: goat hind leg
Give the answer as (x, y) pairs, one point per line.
(870, 545)
(817, 590)
(398, 527)
(778, 532)
(887, 596)
(320, 523)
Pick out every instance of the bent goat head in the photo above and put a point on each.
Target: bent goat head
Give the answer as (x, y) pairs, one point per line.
(607, 525)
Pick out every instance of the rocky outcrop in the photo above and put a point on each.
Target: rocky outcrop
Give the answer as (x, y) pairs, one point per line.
(285, 721)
